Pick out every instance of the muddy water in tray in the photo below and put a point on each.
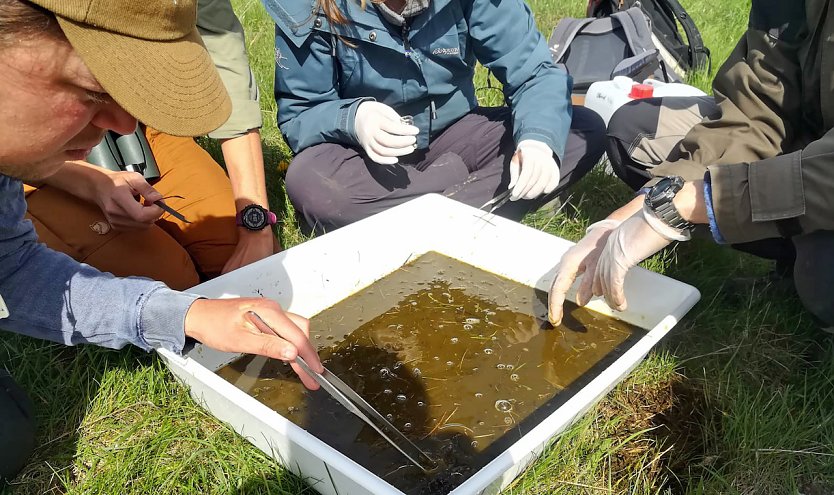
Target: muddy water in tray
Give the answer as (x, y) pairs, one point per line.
(462, 361)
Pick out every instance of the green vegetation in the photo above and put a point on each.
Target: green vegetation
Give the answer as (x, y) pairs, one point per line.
(738, 399)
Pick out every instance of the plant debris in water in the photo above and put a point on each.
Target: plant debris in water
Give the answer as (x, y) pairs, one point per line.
(462, 361)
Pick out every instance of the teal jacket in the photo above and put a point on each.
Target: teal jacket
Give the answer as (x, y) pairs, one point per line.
(424, 69)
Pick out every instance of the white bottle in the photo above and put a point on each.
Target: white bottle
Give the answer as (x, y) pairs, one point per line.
(605, 97)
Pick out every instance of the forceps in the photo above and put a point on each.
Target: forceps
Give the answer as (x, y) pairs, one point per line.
(495, 203)
(498, 201)
(354, 403)
(174, 213)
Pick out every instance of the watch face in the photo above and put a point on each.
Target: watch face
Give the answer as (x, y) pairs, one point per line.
(254, 217)
(664, 191)
(660, 190)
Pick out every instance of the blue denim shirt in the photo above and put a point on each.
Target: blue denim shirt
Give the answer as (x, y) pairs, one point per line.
(50, 296)
(424, 70)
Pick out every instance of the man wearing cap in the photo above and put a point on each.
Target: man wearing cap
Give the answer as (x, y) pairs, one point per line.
(69, 70)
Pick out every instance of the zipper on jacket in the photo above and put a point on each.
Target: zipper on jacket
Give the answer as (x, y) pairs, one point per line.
(433, 110)
(406, 43)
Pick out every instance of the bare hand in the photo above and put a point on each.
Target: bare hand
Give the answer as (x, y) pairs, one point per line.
(252, 247)
(225, 325)
(116, 194)
(579, 259)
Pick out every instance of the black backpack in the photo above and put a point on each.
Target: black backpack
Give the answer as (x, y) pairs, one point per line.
(664, 17)
(599, 49)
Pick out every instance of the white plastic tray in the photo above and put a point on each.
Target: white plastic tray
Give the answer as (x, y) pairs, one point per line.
(310, 277)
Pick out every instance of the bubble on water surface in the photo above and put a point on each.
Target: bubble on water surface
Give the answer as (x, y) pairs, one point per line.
(503, 405)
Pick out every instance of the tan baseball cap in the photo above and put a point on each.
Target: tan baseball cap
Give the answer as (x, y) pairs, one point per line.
(148, 55)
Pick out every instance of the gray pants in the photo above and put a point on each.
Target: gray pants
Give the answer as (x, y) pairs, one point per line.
(17, 428)
(644, 133)
(332, 185)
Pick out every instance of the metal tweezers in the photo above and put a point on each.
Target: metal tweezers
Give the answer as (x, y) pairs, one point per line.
(174, 213)
(495, 203)
(354, 403)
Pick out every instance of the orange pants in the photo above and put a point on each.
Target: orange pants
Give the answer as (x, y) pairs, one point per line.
(171, 251)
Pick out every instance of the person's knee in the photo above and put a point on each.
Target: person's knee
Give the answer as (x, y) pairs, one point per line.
(150, 253)
(593, 130)
(814, 273)
(322, 201)
(17, 428)
(628, 119)
(626, 126)
(586, 144)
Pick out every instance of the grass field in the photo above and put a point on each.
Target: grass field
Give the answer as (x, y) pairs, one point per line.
(738, 399)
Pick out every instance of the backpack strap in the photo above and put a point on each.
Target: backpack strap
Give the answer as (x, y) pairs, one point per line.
(639, 35)
(699, 54)
(633, 66)
(563, 34)
(636, 29)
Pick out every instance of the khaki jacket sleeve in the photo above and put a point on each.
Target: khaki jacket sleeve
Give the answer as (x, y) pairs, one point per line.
(760, 175)
(223, 36)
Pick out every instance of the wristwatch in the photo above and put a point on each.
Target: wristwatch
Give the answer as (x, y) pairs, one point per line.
(659, 201)
(255, 217)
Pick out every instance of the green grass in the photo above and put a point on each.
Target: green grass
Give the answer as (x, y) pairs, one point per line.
(738, 399)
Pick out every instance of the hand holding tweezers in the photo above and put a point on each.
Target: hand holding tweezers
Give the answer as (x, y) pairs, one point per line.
(354, 403)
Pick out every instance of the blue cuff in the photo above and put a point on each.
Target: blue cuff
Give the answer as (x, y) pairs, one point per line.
(162, 319)
(713, 225)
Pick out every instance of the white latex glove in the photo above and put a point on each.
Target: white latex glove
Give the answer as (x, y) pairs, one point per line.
(579, 259)
(632, 242)
(533, 170)
(381, 134)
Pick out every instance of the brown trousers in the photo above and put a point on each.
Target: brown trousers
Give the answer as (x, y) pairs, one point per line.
(170, 251)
